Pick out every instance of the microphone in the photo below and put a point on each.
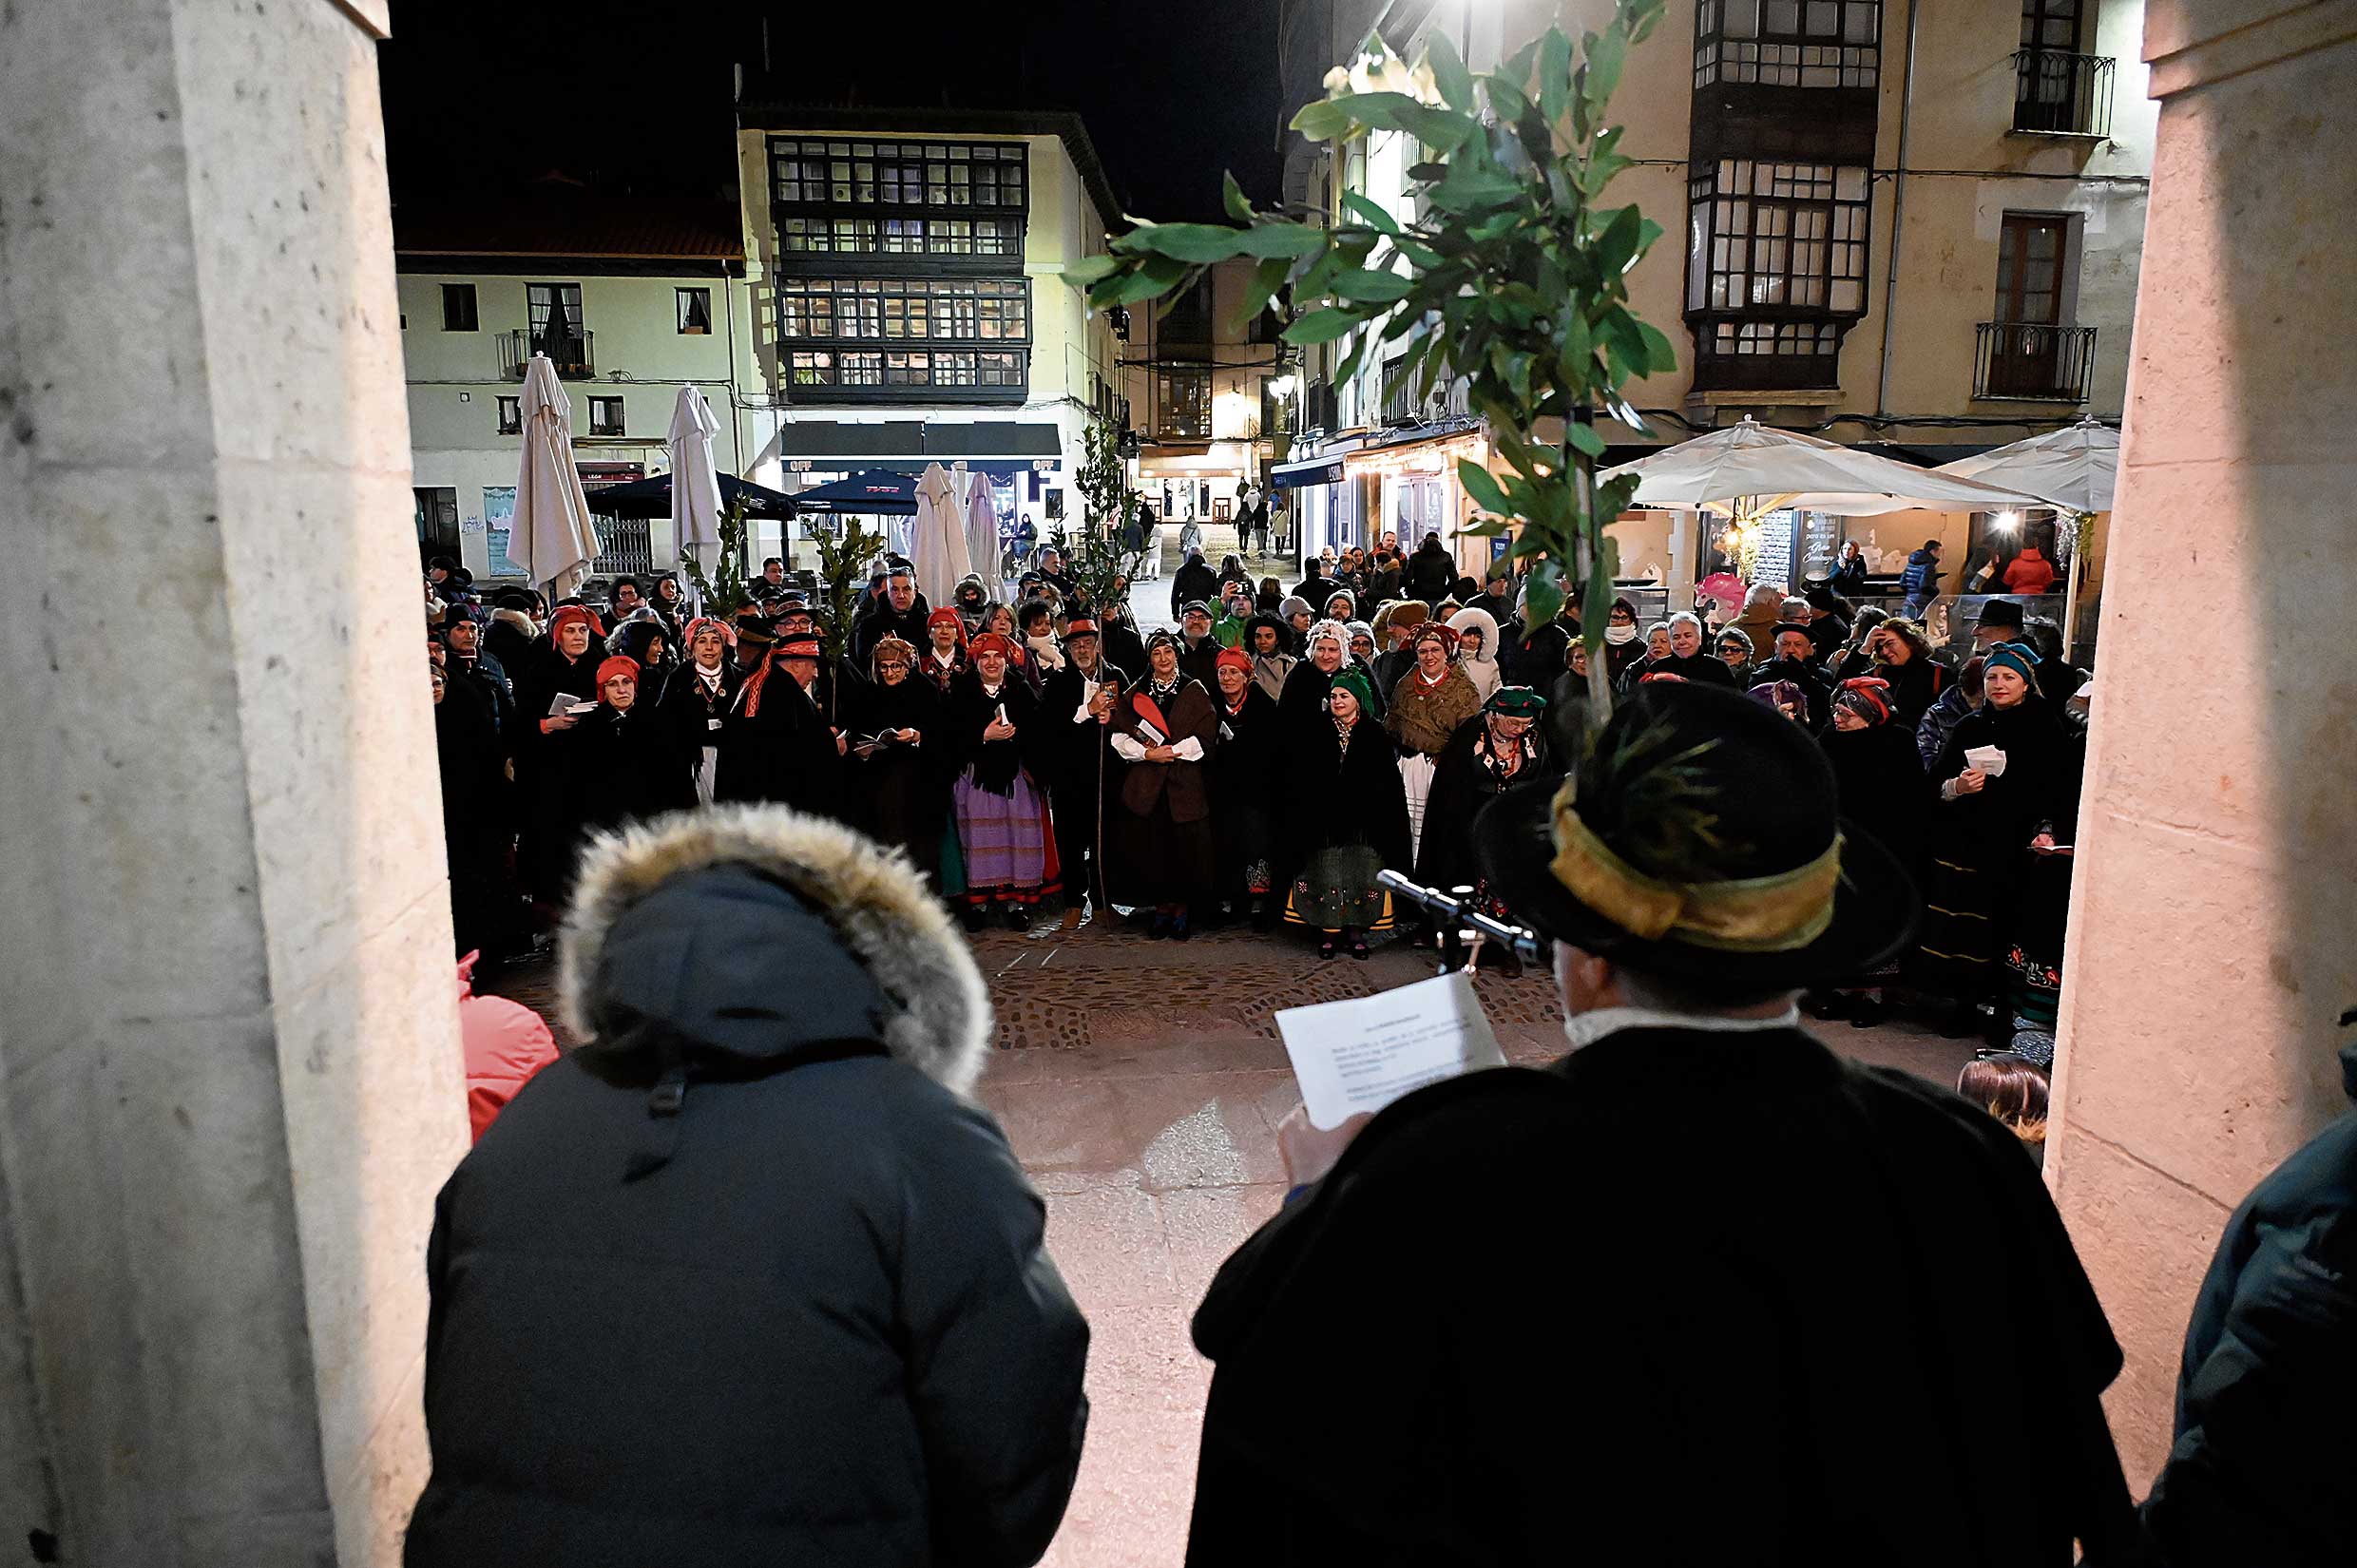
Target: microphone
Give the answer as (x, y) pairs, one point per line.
(1454, 910)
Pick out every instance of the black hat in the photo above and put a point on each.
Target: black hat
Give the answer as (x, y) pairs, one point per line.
(1782, 626)
(1999, 612)
(1821, 597)
(1771, 891)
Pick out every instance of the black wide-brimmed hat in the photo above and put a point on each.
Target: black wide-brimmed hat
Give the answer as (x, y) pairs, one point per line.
(1698, 841)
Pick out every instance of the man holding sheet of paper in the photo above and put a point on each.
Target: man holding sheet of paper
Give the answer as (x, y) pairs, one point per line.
(1700, 1292)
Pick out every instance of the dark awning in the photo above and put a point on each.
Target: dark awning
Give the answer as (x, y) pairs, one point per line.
(652, 498)
(876, 492)
(841, 444)
(1312, 470)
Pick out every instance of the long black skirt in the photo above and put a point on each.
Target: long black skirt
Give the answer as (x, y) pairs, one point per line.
(1161, 860)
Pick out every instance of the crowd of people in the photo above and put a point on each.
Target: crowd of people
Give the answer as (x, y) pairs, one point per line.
(1043, 761)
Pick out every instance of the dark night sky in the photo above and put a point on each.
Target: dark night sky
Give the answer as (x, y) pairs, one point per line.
(635, 98)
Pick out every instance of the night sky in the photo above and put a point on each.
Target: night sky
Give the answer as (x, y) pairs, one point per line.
(634, 99)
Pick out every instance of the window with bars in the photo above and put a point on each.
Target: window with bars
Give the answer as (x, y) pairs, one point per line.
(982, 309)
(1787, 43)
(1183, 403)
(860, 171)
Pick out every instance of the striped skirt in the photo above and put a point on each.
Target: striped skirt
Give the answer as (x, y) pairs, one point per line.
(1007, 842)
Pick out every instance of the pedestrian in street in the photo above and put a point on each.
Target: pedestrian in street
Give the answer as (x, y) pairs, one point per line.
(733, 1281)
(1430, 574)
(1931, 1306)
(1921, 581)
(2029, 572)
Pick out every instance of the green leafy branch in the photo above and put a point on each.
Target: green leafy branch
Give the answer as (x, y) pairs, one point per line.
(1094, 559)
(725, 591)
(1514, 282)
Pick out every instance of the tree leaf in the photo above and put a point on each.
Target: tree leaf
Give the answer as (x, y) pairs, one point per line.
(1616, 248)
(1542, 593)
(1089, 269)
(1482, 485)
(1554, 74)
(1266, 280)
(1660, 354)
(1608, 53)
(1287, 240)
(1321, 326)
(1371, 211)
(1448, 71)
(1231, 196)
(1324, 121)
(1361, 285)
(1154, 275)
(1584, 437)
(1197, 243)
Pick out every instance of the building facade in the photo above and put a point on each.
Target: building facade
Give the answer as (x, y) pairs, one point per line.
(630, 299)
(1206, 396)
(904, 271)
(1912, 224)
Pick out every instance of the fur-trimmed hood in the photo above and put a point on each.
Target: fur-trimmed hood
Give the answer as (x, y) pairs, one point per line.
(517, 618)
(723, 952)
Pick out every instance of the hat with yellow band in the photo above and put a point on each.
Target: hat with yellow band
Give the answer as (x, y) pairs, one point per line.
(1699, 841)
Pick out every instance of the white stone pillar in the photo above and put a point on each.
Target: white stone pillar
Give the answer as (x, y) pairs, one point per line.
(229, 1072)
(2214, 931)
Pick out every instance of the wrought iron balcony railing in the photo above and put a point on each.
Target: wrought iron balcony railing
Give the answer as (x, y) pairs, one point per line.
(574, 354)
(2059, 94)
(2020, 360)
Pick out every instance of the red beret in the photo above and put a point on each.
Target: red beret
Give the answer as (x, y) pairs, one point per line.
(619, 664)
(1234, 659)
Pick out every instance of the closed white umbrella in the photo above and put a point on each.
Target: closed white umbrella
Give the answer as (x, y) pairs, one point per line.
(937, 537)
(1749, 469)
(552, 539)
(2075, 469)
(982, 527)
(695, 483)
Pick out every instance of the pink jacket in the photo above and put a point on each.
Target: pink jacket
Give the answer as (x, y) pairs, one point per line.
(506, 1043)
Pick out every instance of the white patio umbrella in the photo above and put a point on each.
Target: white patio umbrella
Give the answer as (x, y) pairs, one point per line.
(552, 539)
(1749, 469)
(982, 527)
(937, 537)
(695, 483)
(2075, 469)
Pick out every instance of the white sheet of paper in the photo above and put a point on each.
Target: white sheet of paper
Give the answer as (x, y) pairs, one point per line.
(1989, 759)
(1362, 1053)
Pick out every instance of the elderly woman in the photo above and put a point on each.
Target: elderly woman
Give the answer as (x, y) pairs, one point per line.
(1325, 653)
(1656, 657)
(2003, 780)
(1503, 747)
(1735, 652)
(560, 677)
(944, 657)
(622, 768)
(1005, 838)
(1165, 729)
(1346, 818)
(1903, 657)
(898, 783)
(1243, 775)
(1477, 649)
(694, 700)
(1428, 705)
(1882, 789)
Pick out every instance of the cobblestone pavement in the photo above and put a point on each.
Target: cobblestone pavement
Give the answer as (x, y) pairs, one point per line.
(1139, 1082)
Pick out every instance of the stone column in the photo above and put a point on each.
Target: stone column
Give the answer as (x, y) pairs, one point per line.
(230, 1082)
(2213, 928)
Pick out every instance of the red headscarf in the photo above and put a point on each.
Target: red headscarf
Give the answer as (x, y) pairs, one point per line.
(687, 634)
(619, 664)
(571, 612)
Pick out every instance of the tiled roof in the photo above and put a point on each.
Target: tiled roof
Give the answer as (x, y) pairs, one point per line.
(572, 222)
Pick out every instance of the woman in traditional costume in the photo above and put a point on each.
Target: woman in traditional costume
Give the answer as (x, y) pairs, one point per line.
(1004, 830)
(1164, 728)
(1346, 817)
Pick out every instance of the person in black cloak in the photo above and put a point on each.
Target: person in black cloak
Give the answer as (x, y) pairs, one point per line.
(624, 768)
(474, 815)
(1842, 1383)
(514, 633)
(1076, 705)
(1302, 703)
(560, 673)
(1165, 732)
(462, 636)
(1006, 834)
(775, 744)
(898, 764)
(1346, 816)
(1244, 792)
(697, 696)
(1880, 784)
(1504, 747)
(1981, 836)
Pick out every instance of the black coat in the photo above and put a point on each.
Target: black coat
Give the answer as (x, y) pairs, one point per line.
(1335, 797)
(907, 626)
(1430, 575)
(1748, 1389)
(1244, 774)
(1075, 760)
(800, 1314)
(2264, 1439)
(899, 793)
(782, 750)
(1463, 783)
(1196, 580)
(1879, 779)
(624, 768)
(544, 765)
(694, 717)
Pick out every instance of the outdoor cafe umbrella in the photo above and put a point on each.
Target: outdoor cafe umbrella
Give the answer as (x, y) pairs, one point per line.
(651, 497)
(1749, 469)
(981, 526)
(695, 483)
(2073, 470)
(552, 539)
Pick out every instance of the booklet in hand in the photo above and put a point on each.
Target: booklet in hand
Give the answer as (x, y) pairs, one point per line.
(1360, 1055)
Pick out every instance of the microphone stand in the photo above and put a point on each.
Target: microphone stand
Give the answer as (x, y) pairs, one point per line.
(1458, 920)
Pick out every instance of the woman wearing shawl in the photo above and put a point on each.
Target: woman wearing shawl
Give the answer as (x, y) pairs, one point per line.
(1503, 747)
(1880, 783)
(1989, 813)
(694, 704)
(622, 768)
(1243, 787)
(944, 657)
(1267, 645)
(1164, 728)
(1345, 816)
(1477, 649)
(999, 620)
(1428, 705)
(899, 786)
(1005, 835)
(561, 675)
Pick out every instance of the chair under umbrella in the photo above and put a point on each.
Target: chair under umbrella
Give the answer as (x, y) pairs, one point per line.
(2074, 469)
(552, 539)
